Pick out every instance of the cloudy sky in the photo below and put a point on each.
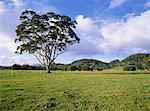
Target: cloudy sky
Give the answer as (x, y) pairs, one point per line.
(108, 29)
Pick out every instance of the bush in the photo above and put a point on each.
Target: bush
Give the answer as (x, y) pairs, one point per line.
(129, 68)
(72, 68)
(99, 69)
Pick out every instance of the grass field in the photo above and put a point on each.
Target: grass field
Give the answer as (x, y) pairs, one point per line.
(74, 91)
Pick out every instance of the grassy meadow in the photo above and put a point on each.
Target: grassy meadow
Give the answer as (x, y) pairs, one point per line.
(74, 91)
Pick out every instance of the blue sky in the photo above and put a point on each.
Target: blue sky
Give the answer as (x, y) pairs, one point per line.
(108, 29)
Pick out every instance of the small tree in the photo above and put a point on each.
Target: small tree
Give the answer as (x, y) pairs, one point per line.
(16, 67)
(45, 36)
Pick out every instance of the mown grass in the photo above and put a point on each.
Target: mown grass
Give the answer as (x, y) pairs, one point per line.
(74, 91)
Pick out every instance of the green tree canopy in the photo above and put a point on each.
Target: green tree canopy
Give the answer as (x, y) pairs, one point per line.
(45, 36)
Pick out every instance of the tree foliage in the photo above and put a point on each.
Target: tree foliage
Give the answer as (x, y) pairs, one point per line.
(87, 67)
(16, 67)
(129, 68)
(72, 68)
(45, 36)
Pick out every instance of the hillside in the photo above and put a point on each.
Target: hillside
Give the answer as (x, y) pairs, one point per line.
(90, 62)
(139, 61)
(114, 63)
(140, 57)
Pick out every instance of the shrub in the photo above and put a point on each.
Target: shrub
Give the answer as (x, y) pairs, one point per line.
(129, 68)
(99, 69)
(72, 68)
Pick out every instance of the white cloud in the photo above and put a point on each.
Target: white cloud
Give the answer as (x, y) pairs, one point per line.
(17, 59)
(87, 31)
(116, 3)
(7, 29)
(123, 37)
(2, 7)
(7, 45)
(127, 36)
(17, 3)
(7, 42)
(85, 24)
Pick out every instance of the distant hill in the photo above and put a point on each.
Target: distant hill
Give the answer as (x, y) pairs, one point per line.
(114, 63)
(140, 61)
(140, 57)
(90, 62)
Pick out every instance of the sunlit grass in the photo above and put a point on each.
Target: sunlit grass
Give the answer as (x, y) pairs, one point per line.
(108, 90)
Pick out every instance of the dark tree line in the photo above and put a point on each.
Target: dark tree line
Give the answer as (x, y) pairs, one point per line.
(61, 67)
(26, 67)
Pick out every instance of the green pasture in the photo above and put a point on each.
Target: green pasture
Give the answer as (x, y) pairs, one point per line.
(74, 91)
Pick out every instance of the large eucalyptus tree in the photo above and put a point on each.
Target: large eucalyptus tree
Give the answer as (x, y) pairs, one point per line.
(45, 36)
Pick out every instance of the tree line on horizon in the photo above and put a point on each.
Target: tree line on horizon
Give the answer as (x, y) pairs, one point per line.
(131, 63)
